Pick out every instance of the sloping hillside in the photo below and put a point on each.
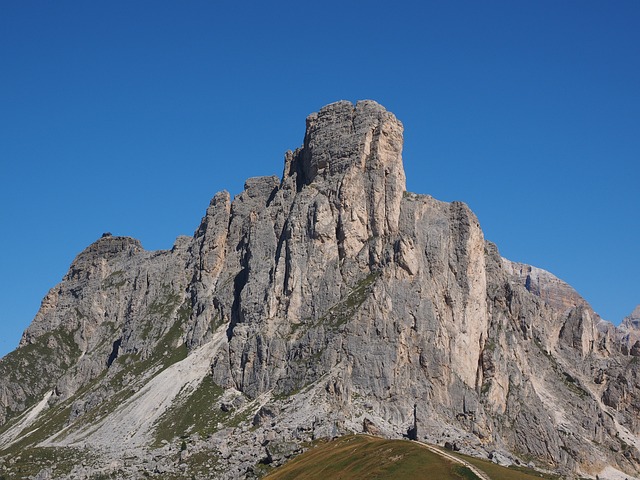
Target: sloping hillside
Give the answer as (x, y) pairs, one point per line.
(363, 457)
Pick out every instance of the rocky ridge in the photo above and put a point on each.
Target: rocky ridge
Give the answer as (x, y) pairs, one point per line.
(630, 330)
(327, 301)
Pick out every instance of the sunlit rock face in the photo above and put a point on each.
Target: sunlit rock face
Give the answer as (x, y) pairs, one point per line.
(317, 303)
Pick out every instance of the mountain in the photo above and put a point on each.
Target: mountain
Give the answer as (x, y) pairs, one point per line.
(630, 329)
(325, 302)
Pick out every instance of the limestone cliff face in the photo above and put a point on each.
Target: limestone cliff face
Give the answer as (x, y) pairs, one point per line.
(633, 320)
(630, 329)
(311, 305)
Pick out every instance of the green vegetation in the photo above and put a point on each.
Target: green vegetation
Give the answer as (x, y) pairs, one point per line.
(571, 382)
(574, 385)
(165, 305)
(121, 379)
(240, 417)
(44, 360)
(199, 465)
(185, 311)
(31, 461)
(168, 352)
(44, 426)
(490, 346)
(507, 473)
(131, 368)
(363, 457)
(412, 196)
(335, 318)
(114, 280)
(486, 386)
(128, 370)
(52, 345)
(342, 311)
(192, 413)
(464, 472)
(216, 322)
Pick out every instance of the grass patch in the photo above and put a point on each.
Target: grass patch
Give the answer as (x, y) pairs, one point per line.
(29, 462)
(241, 417)
(115, 280)
(412, 196)
(57, 344)
(363, 457)
(185, 311)
(201, 465)
(125, 376)
(570, 382)
(341, 312)
(464, 472)
(168, 351)
(46, 425)
(42, 362)
(165, 304)
(512, 472)
(216, 322)
(359, 457)
(192, 412)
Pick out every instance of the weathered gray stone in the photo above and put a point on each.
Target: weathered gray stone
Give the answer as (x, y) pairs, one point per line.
(324, 302)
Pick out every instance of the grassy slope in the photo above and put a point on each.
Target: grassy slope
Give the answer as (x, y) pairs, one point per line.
(363, 457)
(511, 473)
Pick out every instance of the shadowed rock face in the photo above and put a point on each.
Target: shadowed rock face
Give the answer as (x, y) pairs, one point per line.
(325, 301)
(631, 324)
(543, 284)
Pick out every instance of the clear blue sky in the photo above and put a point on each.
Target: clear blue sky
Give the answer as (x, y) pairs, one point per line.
(129, 116)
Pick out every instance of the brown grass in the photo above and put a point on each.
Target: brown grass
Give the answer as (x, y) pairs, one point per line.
(511, 473)
(356, 457)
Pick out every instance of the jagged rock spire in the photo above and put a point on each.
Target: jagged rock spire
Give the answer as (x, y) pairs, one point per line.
(342, 135)
(352, 154)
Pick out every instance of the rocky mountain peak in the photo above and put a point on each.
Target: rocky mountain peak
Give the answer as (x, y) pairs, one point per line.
(352, 156)
(545, 285)
(108, 247)
(633, 320)
(342, 136)
(324, 302)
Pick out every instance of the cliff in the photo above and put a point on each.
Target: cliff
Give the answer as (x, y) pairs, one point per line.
(323, 302)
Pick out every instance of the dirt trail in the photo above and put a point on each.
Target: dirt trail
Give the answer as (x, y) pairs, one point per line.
(479, 473)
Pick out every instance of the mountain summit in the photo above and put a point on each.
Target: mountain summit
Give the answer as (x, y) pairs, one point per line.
(325, 302)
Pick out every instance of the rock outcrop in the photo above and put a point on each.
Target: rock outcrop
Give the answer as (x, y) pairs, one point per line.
(327, 301)
(630, 328)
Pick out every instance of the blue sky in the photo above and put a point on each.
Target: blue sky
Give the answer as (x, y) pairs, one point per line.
(128, 117)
